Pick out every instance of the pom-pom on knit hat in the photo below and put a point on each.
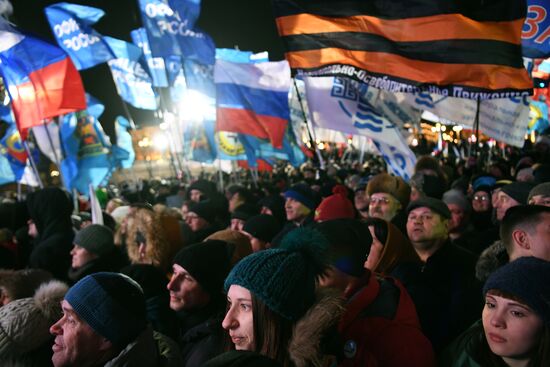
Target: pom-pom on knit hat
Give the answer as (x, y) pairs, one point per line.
(112, 304)
(284, 278)
(335, 206)
(25, 322)
(527, 279)
(95, 238)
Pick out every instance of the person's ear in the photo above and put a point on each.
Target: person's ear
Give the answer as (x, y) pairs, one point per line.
(519, 237)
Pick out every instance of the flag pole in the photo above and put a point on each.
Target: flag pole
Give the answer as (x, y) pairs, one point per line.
(311, 132)
(476, 124)
(33, 164)
(57, 160)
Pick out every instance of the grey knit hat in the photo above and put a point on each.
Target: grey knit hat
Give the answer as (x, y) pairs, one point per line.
(25, 323)
(96, 238)
(541, 189)
(456, 197)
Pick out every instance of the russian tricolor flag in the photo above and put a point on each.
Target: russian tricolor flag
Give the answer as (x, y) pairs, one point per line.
(41, 80)
(252, 99)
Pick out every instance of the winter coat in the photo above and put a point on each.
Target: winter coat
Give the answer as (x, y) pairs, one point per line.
(50, 209)
(150, 349)
(290, 226)
(112, 261)
(201, 334)
(461, 353)
(380, 326)
(447, 295)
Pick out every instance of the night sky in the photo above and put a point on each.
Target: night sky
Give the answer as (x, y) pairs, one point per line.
(246, 24)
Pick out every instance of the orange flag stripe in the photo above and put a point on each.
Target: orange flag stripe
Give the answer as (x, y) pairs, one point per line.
(492, 77)
(430, 28)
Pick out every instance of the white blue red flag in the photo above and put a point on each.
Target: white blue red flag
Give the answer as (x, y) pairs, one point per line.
(41, 80)
(252, 99)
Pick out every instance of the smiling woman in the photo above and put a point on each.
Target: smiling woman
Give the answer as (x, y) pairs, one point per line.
(514, 329)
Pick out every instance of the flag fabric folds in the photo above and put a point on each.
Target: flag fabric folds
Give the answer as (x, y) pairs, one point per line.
(71, 25)
(342, 104)
(156, 65)
(14, 151)
(132, 81)
(124, 141)
(41, 80)
(86, 148)
(441, 47)
(171, 31)
(253, 99)
(535, 38)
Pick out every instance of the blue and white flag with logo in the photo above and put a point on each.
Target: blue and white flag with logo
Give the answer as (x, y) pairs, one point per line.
(535, 35)
(171, 31)
(342, 104)
(132, 81)
(156, 65)
(71, 25)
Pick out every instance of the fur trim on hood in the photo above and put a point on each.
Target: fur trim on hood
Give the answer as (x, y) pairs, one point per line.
(310, 331)
(492, 258)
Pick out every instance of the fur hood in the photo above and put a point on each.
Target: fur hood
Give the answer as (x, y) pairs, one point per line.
(492, 258)
(310, 332)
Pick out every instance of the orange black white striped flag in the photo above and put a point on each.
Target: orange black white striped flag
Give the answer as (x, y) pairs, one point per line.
(466, 49)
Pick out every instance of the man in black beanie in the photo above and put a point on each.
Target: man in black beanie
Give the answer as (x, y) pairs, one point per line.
(196, 286)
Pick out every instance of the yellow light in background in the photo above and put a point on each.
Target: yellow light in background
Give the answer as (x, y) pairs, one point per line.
(457, 128)
(321, 145)
(443, 128)
(532, 137)
(414, 142)
(54, 173)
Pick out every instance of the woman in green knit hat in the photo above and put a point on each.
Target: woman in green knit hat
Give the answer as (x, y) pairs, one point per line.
(269, 291)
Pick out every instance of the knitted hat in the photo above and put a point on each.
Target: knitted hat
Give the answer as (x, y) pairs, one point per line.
(435, 205)
(284, 278)
(238, 244)
(204, 209)
(541, 189)
(25, 323)
(483, 181)
(335, 206)
(527, 279)
(245, 211)
(96, 238)
(304, 194)
(349, 244)
(208, 188)
(393, 185)
(456, 197)
(207, 262)
(519, 191)
(112, 304)
(264, 227)
(275, 203)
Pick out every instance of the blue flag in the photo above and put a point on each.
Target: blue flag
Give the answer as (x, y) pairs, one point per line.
(87, 159)
(171, 31)
(535, 35)
(6, 174)
(132, 81)
(156, 65)
(124, 141)
(72, 27)
(14, 151)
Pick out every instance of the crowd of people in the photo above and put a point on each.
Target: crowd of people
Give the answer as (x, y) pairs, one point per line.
(348, 266)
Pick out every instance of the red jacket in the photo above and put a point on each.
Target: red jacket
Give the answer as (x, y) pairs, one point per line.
(380, 327)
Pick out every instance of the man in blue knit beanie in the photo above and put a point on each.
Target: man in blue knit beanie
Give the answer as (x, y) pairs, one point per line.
(104, 323)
